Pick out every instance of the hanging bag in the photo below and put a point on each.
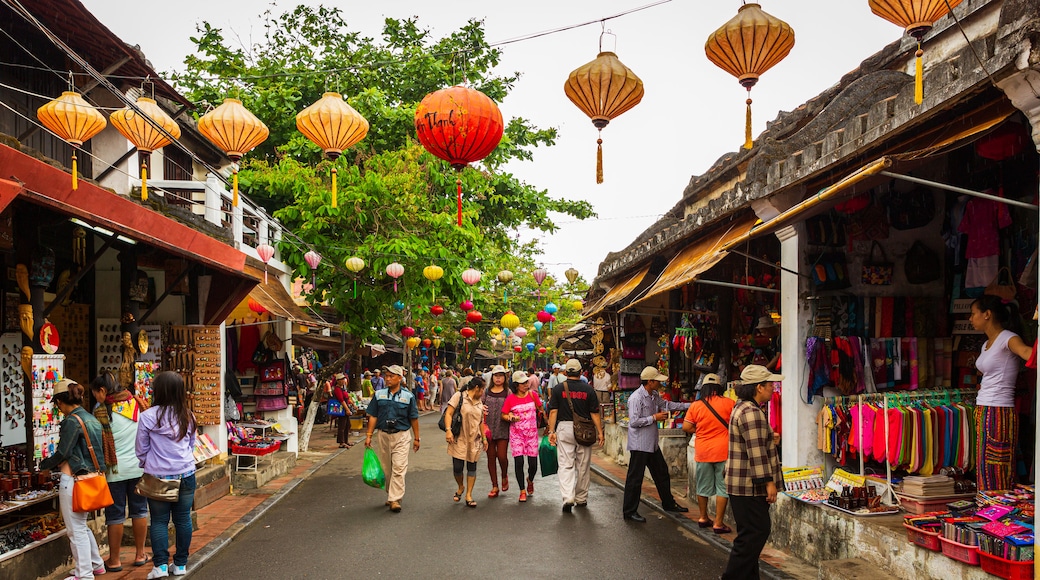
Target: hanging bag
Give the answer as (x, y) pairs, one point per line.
(877, 271)
(372, 470)
(547, 458)
(584, 429)
(151, 487)
(335, 409)
(830, 271)
(1003, 286)
(912, 209)
(921, 265)
(90, 492)
(456, 417)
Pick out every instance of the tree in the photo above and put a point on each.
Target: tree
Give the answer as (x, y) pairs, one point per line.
(397, 202)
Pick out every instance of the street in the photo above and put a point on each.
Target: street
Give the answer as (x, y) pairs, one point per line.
(333, 525)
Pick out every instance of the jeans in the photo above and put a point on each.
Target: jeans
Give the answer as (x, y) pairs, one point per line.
(158, 532)
(85, 555)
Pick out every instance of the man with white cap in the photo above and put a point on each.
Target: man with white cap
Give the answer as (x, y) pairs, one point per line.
(393, 410)
(645, 409)
(574, 459)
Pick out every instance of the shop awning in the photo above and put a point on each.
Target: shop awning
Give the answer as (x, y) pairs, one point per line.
(273, 296)
(617, 293)
(697, 258)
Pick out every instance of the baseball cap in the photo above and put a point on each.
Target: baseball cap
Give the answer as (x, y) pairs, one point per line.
(499, 369)
(711, 379)
(340, 376)
(758, 374)
(556, 366)
(63, 385)
(572, 366)
(519, 377)
(652, 374)
(395, 369)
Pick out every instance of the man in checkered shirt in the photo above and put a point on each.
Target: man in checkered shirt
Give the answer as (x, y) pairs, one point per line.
(752, 471)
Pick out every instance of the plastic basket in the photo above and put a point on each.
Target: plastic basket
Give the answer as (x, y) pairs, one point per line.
(925, 539)
(1008, 569)
(240, 450)
(960, 552)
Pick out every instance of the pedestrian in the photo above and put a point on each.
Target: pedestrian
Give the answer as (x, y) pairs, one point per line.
(340, 393)
(378, 382)
(448, 387)
(708, 420)
(74, 455)
(556, 376)
(165, 444)
(366, 385)
(601, 383)
(752, 471)
(118, 412)
(574, 459)
(534, 382)
(420, 390)
(467, 376)
(465, 450)
(498, 438)
(393, 410)
(521, 410)
(645, 409)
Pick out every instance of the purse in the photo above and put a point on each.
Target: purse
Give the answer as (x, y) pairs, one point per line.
(1002, 286)
(335, 409)
(584, 429)
(151, 487)
(877, 271)
(456, 418)
(90, 492)
(829, 271)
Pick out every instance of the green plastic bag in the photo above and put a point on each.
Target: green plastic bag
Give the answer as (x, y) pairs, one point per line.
(547, 457)
(372, 470)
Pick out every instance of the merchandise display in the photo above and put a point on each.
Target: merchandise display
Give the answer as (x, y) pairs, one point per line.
(194, 352)
(12, 423)
(47, 370)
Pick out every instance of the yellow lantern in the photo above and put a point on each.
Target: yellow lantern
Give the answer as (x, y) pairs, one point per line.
(603, 89)
(145, 133)
(334, 126)
(510, 320)
(751, 43)
(436, 342)
(433, 273)
(571, 274)
(355, 265)
(236, 131)
(495, 332)
(578, 305)
(74, 120)
(917, 18)
(412, 342)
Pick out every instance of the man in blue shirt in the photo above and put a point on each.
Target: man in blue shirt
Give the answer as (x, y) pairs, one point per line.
(377, 380)
(393, 410)
(645, 409)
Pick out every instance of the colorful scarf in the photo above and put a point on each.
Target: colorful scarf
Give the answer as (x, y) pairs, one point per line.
(124, 404)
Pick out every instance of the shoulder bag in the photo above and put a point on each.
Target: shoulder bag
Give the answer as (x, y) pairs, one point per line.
(151, 487)
(456, 418)
(724, 422)
(584, 429)
(90, 492)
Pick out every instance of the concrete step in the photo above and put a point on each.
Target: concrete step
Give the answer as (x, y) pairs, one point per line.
(268, 467)
(848, 569)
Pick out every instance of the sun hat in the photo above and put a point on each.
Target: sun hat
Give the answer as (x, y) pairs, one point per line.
(63, 385)
(499, 369)
(340, 376)
(758, 374)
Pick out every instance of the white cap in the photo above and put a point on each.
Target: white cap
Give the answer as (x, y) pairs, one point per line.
(499, 369)
(519, 377)
(652, 374)
(556, 366)
(572, 366)
(758, 374)
(711, 379)
(395, 369)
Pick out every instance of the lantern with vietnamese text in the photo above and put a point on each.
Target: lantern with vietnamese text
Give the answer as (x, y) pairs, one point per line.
(334, 126)
(459, 125)
(917, 18)
(266, 252)
(149, 128)
(236, 131)
(751, 43)
(74, 120)
(394, 270)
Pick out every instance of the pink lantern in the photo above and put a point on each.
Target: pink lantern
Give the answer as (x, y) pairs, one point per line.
(266, 252)
(313, 259)
(539, 275)
(466, 305)
(471, 277)
(407, 331)
(394, 270)
(543, 316)
(521, 332)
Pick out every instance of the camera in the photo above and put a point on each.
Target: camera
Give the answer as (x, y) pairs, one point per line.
(391, 423)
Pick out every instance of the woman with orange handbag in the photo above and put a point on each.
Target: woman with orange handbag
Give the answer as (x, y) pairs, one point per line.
(76, 455)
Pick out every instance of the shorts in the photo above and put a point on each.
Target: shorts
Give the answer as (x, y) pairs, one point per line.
(122, 494)
(710, 479)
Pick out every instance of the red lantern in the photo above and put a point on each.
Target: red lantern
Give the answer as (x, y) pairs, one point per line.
(542, 350)
(467, 332)
(466, 306)
(518, 348)
(256, 307)
(474, 317)
(459, 125)
(543, 316)
(436, 310)
(407, 331)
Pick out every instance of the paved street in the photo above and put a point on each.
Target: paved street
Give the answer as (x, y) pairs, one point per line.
(332, 526)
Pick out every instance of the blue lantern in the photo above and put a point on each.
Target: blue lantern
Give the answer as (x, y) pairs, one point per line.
(538, 326)
(506, 331)
(551, 308)
(530, 347)
(425, 358)
(398, 305)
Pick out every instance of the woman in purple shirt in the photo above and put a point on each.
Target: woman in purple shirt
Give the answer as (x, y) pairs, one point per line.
(165, 440)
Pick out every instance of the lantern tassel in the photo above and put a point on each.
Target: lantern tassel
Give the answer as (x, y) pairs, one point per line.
(334, 198)
(265, 272)
(505, 296)
(234, 189)
(458, 185)
(75, 181)
(355, 288)
(599, 160)
(748, 141)
(919, 77)
(144, 182)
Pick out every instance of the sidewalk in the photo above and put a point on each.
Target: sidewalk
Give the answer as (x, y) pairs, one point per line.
(778, 565)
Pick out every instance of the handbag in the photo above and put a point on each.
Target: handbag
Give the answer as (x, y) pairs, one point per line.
(231, 412)
(335, 409)
(877, 271)
(276, 403)
(584, 429)
(151, 487)
(829, 271)
(1002, 286)
(921, 265)
(90, 492)
(456, 418)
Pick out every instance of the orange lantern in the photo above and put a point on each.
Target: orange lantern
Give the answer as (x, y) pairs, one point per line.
(147, 132)
(603, 89)
(917, 18)
(74, 120)
(236, 131)
(459, 125)
(334, 126)
(751, 43)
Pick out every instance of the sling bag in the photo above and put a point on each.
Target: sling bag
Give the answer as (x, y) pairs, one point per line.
(584, 428)
(714, 412)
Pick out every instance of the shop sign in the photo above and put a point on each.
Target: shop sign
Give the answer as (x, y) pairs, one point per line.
(964, 327)
(962, 306)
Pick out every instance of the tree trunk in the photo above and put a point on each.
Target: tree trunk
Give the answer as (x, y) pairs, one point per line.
(319, 396)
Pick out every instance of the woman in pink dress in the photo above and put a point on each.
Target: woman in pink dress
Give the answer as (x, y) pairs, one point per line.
(521, 410)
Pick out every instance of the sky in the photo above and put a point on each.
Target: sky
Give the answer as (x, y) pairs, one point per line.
(691, 115)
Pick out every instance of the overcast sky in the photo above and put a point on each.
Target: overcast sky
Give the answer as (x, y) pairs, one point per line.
(692, 112)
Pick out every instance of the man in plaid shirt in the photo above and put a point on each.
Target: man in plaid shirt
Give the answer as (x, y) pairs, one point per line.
(753, 473)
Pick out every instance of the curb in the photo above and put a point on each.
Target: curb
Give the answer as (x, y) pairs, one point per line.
(767, 570)
(214, 546)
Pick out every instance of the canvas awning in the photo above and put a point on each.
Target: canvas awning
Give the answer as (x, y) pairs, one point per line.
(274, 297)
(617, 293)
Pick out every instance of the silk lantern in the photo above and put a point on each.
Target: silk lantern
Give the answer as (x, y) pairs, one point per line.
(603, 89)
(236, 131)
(509, 320)
(394, 270)
(333, 125)
(355, 265)
(459, 125)
(148, 130)
(313, 259)
(579, 305)
(433, 273)
(539, 275)
(74, 120)
(571, 274)
(751, 43)
(437, 330)
(542, 350)
(505, 277)
(436, 310)
(256, 306)
(407, 331)
(530, 347)
(436, 343)
(517, 348)
(427, 342)
(537, 326)
(471, 277)
(398, 305)
(466, 306)
(543, 316)
(917, 18)
(412, 342)
(551, 308)
(467, 332)
(474, 316)
(266, 252)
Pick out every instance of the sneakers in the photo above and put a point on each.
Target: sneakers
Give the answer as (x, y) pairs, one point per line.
(179, 570)
(523, 495)
(567, 507)
(159, 572)
(530, 487)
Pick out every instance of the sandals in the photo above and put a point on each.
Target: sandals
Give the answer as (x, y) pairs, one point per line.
(493, 492)
(457, 497)
(471, 503)
(505, 484)
(723, 530)
(704, 524)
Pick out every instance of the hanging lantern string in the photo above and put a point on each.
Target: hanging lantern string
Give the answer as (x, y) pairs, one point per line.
(749, 142)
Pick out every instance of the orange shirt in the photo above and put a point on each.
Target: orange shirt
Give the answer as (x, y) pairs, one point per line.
(712, 445)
